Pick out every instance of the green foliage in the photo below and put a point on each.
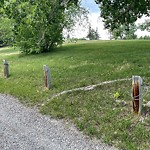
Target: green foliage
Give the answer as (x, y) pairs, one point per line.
(1, 3)
(146, 37)
(39, 24)
(35, 29)
(6, 27)
(124, 32)
(93, 34)
(116, 95)
(6, 31)
(145, 25)
(118, 12)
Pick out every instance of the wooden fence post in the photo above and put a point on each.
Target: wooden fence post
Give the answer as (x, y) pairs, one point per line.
(6, 69)
(137, 94)
(47, 76)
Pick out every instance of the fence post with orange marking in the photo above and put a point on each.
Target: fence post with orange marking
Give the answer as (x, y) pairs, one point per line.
(137, 94)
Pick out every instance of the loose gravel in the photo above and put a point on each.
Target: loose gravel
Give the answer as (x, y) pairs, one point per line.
(23, 128)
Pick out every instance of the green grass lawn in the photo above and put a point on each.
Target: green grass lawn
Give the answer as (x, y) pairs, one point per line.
(96, 112)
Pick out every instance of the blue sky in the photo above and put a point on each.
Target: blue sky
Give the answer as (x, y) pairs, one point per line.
(90, 5)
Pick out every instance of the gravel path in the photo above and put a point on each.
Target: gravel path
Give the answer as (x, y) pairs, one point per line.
(22, 128)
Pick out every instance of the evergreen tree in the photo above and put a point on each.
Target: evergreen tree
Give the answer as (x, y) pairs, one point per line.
(93, 34)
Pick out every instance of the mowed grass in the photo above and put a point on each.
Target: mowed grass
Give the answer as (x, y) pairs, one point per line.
(97, 112)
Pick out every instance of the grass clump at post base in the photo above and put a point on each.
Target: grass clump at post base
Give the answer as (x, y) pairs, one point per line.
(97, 112)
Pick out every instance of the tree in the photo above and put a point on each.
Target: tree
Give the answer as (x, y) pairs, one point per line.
(39, 24)
(124, 32)
(122, 12)
(146, 37)
(97, 34)
(93, 34)
(6, 27)
(145, 25)
(6, 34)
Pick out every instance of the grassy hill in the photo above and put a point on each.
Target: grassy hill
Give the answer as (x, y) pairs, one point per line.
(98, 112)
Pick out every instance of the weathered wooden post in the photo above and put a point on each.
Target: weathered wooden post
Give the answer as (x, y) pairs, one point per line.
(137, 94)
(47, 76)
(6, 69)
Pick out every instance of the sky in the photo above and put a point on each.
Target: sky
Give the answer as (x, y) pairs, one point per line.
(96, 22)
(90, 5)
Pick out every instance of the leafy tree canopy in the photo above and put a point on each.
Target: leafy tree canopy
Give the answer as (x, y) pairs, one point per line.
(145, 25)
(1, 2)
(117, 12)
(39, 23)
(6, 33)
(124, 32)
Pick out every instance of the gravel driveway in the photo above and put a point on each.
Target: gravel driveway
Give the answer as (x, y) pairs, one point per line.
(22, 128)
